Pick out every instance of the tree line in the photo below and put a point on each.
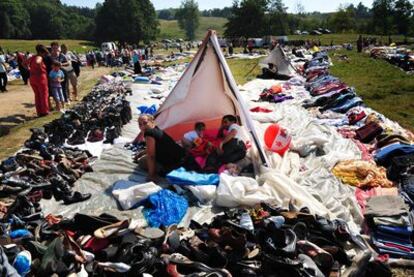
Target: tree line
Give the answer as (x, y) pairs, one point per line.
(129, 21)
(46, 19)
(134, 21)
(256, 18)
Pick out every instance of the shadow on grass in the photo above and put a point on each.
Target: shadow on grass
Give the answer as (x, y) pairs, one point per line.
(11, 121)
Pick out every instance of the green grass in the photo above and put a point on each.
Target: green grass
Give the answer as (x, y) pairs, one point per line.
(382, 86)
(29, 45)
(169, 28)
(244, 70)
(345, 38)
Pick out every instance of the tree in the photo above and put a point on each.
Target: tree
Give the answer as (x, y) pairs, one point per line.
(403, 12)
(128, 21)
(382, 16)
(362, 11)
(247, 20)
(46, 21)
(14, 14)
(343, 19)
(188, 18)
(277, 17)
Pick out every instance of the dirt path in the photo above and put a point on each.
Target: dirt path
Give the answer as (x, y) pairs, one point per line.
(17, 105)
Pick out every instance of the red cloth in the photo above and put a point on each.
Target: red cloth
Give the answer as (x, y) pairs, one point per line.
(260, 110)
(39, 84)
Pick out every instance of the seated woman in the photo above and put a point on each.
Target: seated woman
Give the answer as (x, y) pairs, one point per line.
(232, 147)
(162, 153)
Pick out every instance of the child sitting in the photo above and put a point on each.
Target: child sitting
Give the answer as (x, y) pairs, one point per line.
(194, 138)
(56, 78)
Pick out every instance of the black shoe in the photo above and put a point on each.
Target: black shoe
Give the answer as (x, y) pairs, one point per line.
(77, 138)
(76, 197)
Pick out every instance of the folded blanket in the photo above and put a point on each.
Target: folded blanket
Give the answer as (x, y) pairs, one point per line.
(182, 177)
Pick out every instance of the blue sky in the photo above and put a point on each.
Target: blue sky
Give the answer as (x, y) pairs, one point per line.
(310, 5)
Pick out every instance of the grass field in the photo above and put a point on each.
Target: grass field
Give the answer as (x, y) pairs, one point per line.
(382, 86)
(169, 28)
(29, 45)
(345, 38)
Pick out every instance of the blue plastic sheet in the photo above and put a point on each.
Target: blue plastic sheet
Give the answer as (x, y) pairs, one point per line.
(164, 208)
(182, 177)
(147, 109)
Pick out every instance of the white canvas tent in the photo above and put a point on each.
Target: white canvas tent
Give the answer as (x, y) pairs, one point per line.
(206, 92)
(278, 58)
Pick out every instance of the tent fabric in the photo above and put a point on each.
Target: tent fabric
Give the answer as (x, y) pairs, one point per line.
(277, 57)
(205, 92)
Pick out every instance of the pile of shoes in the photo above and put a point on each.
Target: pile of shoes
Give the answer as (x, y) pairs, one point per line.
(262, 241)
(99, 117)
(45, 168)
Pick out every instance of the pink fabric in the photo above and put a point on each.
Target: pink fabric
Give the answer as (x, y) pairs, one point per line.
(363, 195)
(201, 161)
(366, 155)
(222, 169)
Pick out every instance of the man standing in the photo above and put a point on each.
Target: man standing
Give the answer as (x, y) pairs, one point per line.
(70, 72)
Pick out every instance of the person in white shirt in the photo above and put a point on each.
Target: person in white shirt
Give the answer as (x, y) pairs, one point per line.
(190, 138)
(232, 147)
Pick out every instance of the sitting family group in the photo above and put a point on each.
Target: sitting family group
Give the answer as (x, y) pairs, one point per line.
(197, 152)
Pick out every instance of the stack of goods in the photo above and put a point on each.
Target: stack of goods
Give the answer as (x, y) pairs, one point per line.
(391, 224)
(261, 241)
(384, 177)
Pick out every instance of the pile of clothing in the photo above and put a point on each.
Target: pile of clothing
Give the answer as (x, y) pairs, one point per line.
(274, 95)
(391, 223)
(384, 176)
(261, 241)
(401, 57)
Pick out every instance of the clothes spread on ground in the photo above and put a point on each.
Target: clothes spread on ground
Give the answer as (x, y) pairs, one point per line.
(164, 208)
(361, 173)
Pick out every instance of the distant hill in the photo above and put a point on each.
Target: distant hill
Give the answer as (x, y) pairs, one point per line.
(169, 28)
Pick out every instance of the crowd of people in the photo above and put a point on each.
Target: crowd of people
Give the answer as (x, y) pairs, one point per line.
(52, 72)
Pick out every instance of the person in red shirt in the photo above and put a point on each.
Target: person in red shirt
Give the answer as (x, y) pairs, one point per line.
(22, 64)
(38, 80)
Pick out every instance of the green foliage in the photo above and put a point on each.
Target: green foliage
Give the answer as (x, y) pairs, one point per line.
(49, 19)
(403, 14)
(129, 21)
(15, 18)
(248, 19)
(382, 16)
(188, 18)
